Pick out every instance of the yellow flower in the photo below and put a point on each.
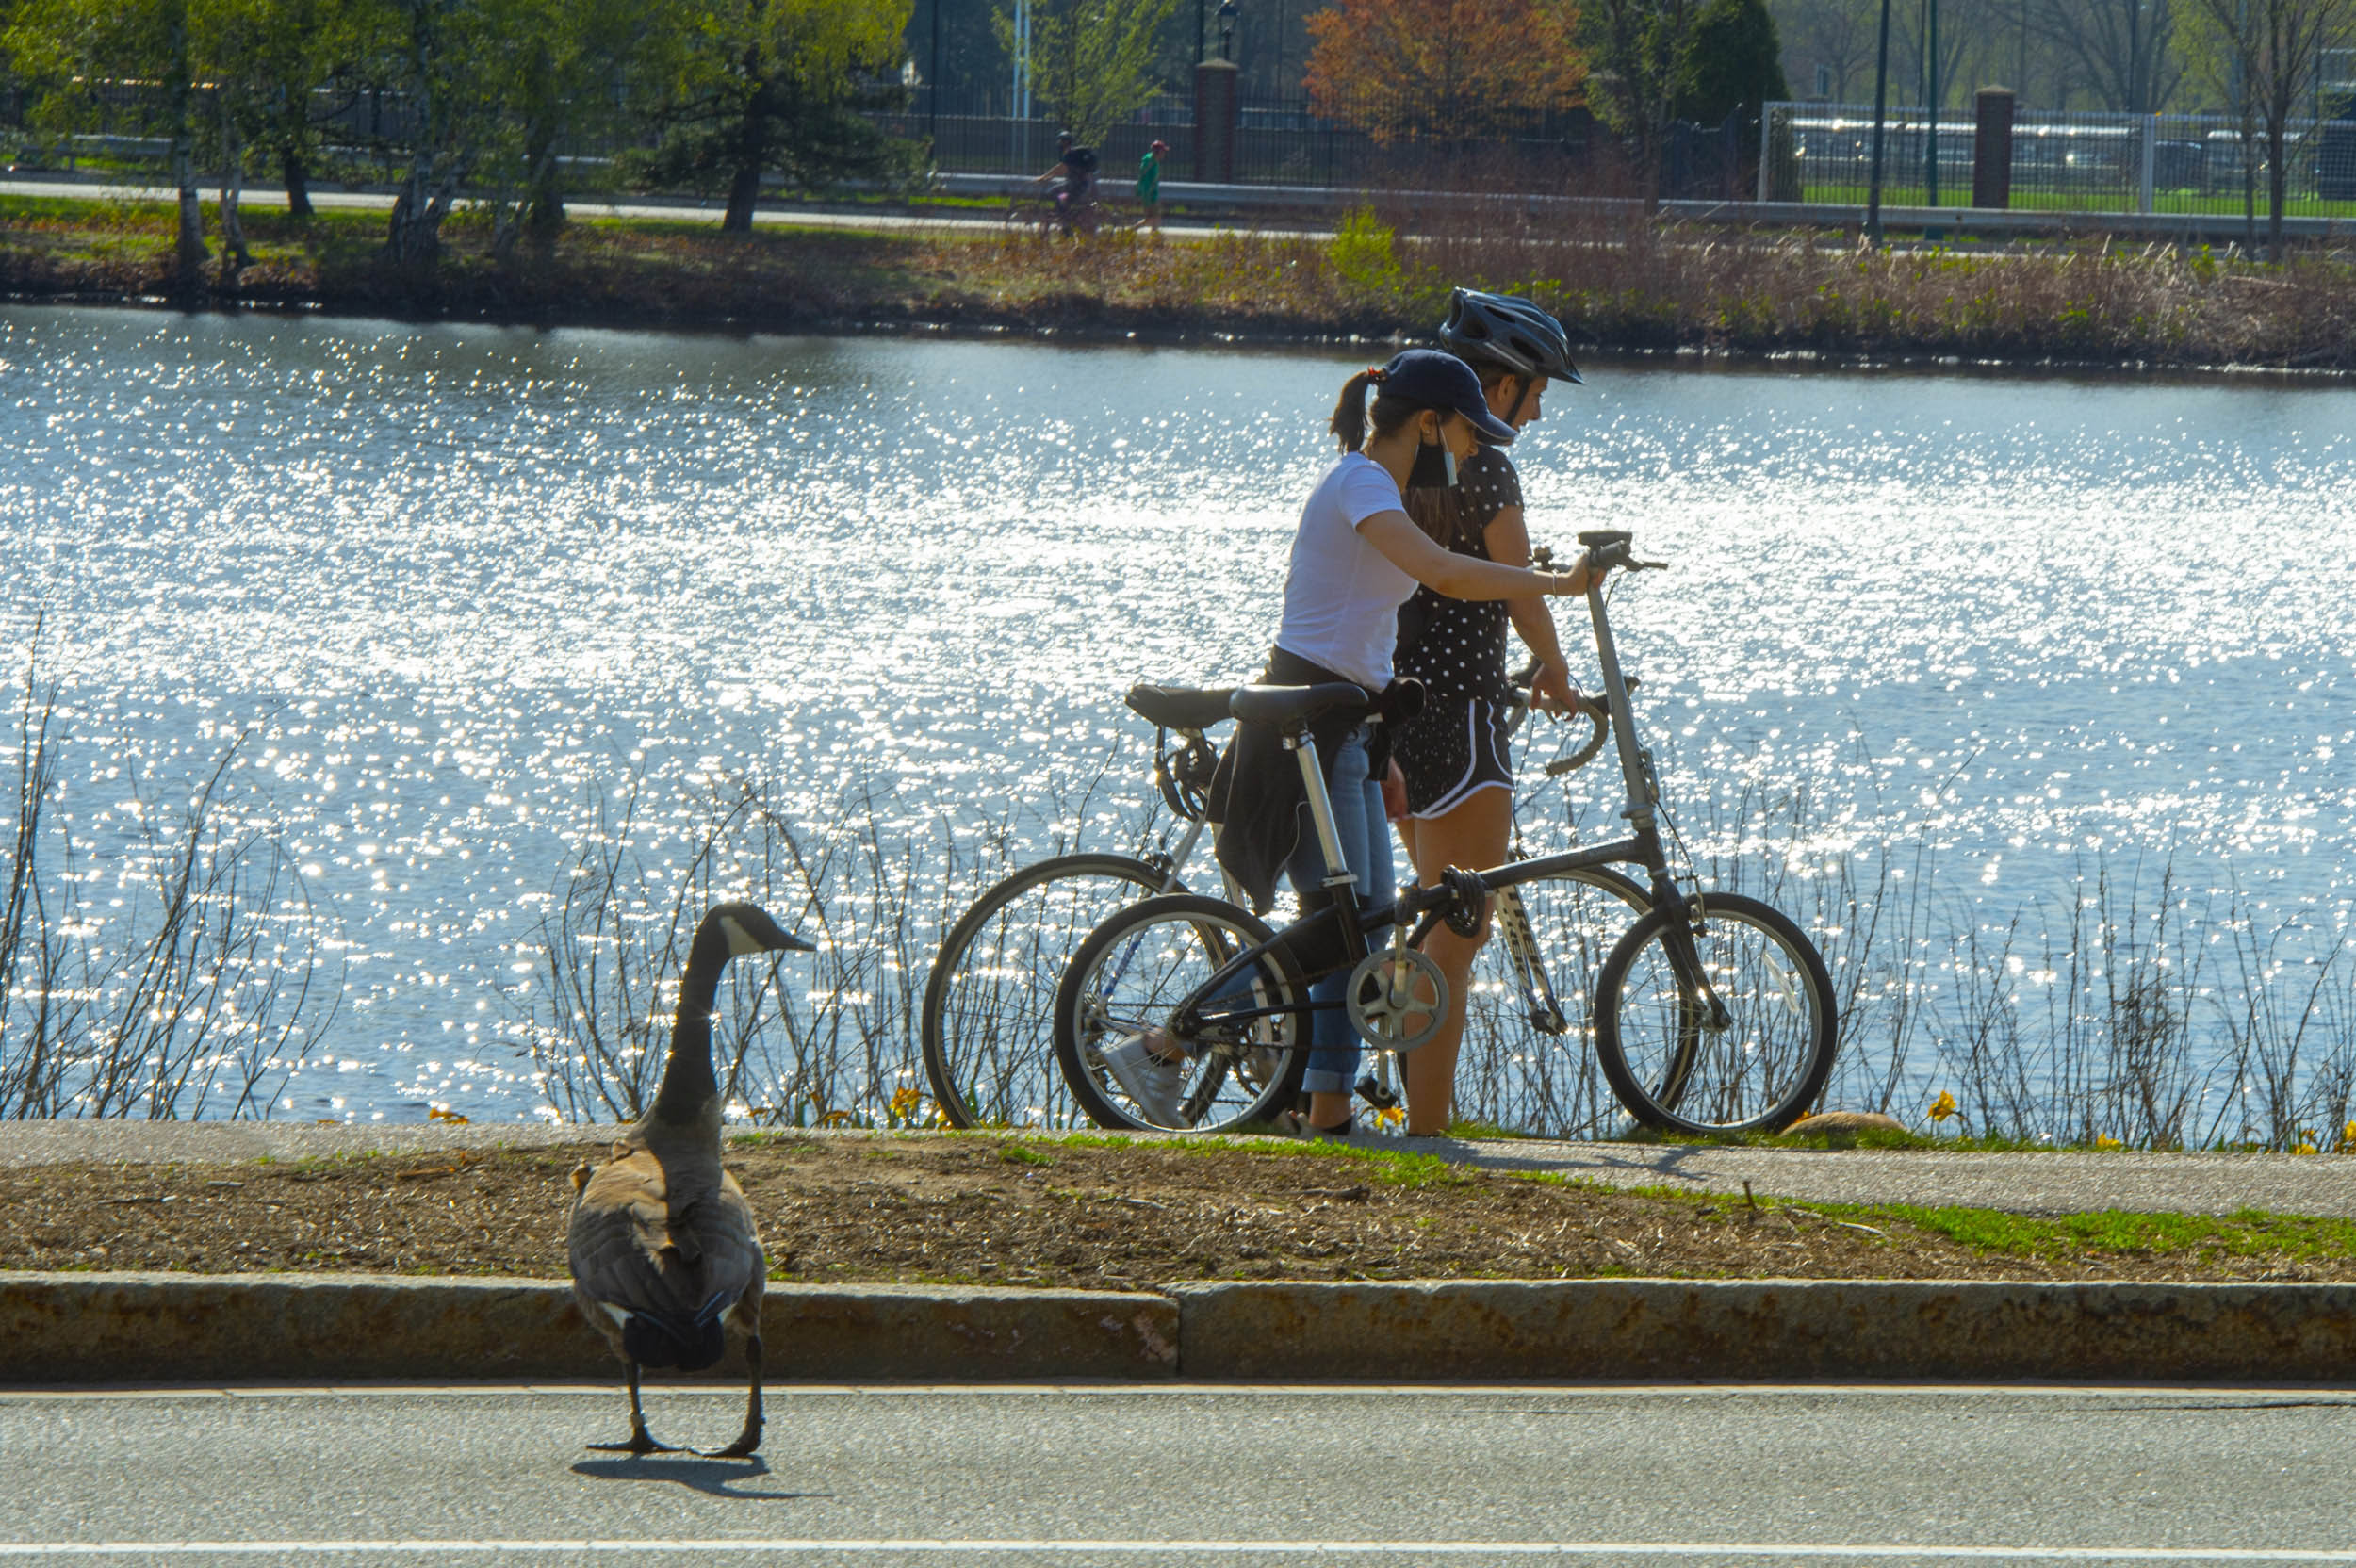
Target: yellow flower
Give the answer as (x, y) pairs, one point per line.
(1389, 1115)
(440, 1113)
(1943, 1107)
(2348, 1137)
(2304, 1148)
(904, 1100)
(2104, 1140)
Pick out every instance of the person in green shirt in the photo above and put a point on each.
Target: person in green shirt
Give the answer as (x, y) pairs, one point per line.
(1150, 187)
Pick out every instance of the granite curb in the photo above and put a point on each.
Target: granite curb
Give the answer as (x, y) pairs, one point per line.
(69, 1329)
(170, 1327)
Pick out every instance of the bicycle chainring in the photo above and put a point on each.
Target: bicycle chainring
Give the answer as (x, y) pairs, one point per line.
(1398, 999)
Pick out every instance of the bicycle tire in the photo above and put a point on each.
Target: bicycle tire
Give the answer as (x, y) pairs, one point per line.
(1758, 1071)
(1204, 933)
(989, 1058)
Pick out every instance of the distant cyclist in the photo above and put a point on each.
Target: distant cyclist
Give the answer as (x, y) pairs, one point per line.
(1074, 180)
(1453, 754)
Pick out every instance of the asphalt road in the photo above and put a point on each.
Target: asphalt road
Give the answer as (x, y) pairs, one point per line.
(1196, 1475)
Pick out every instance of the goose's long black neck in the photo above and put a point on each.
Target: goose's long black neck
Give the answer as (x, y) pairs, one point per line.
(690, 1093)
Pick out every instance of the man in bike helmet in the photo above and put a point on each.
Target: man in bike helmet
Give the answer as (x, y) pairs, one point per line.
(1506, 329)
(1454, 757)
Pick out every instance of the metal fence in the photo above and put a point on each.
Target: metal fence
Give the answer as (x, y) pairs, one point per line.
(1285, 141)
(1278, 142)
(2145, 163)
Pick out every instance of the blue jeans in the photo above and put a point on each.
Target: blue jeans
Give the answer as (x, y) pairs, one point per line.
(1366, 837)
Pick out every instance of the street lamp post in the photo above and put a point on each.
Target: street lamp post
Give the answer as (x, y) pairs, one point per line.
(1881, 109)
(1930, 103)
(1227, 14)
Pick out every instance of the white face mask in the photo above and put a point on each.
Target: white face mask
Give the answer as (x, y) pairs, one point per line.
(1430, 456)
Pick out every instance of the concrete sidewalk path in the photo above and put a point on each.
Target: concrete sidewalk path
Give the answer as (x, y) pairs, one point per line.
(2055, 1183)
(264, 198)
(2037, 1183)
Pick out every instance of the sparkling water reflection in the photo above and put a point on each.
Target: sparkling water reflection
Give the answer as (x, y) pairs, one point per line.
(462, 579)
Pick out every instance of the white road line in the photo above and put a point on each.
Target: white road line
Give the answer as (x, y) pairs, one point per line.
(745, 1546)
(2339, 1391)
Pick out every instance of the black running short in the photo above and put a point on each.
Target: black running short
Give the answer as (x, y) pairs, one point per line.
(1453, 750)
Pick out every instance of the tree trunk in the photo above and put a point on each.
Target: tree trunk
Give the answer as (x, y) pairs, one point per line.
(235, 257)
(742, 191)
(414, 237)
(2248, 185)
(179, 99)
(2276, 180)
(544, 206)
(298, 180)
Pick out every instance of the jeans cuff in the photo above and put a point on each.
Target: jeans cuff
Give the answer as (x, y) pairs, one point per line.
(1322, 1081)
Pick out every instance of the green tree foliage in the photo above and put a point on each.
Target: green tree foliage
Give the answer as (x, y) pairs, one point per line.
(130, 65)
(1639, 53)
(2265, 57)
(1093, 62)
(273, 66)
(1733, 64)
(756, 87)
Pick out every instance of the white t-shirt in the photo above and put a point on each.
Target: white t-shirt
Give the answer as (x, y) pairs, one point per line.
(1342, 595)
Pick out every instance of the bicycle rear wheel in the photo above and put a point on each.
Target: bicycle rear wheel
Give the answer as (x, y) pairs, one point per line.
(1723, 1023)
(988, 1025)
(1246, 1050)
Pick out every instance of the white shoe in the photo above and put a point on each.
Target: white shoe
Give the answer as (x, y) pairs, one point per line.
(1154, 1082)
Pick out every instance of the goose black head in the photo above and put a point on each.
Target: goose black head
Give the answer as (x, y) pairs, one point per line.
(749, 930)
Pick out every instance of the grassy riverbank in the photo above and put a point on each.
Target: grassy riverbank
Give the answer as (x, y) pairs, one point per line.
(1631, 286)
(1102, 1213)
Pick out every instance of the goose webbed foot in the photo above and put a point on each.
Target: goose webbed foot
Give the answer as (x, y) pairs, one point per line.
(641, 1441)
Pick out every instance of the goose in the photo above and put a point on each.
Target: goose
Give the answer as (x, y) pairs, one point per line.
(664, 1258)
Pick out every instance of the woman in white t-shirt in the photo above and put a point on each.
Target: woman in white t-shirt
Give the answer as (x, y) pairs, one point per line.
(1355, 559)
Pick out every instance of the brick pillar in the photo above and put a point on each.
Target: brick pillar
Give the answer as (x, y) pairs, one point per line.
(1991, 148)
(1215, 122)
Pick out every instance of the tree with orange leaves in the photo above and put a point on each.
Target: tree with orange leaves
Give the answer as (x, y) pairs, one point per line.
(1444, 69)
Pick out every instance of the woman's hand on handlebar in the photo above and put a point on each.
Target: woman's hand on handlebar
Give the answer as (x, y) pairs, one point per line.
(1551, 691)
(1580, 575)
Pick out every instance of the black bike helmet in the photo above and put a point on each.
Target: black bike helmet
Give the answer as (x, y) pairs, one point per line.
(1510, 331)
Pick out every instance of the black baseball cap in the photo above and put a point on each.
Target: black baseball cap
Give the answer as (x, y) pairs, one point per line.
(1441, 381)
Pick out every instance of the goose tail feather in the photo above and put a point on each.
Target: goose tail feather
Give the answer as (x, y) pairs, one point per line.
(667, 1340)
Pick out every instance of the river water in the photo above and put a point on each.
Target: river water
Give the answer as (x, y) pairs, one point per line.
(460, 582)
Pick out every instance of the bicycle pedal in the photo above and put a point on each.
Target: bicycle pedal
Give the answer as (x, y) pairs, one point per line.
(1376, 1093)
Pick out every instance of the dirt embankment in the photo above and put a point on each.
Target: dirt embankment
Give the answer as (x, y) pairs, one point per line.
(1035, 1212)
(1636, 287)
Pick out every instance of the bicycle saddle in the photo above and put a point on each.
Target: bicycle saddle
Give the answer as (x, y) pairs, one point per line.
(1181, 707)
(1297, 704)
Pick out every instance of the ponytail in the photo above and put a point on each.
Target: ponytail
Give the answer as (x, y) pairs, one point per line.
(1348, 423)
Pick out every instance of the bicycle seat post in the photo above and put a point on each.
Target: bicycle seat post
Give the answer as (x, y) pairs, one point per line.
(1304, 749)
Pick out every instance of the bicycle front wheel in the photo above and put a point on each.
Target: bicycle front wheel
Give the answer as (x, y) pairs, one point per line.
(1244, 1055)
(1723, 1022)
(1530, 1003)
(988, 1025)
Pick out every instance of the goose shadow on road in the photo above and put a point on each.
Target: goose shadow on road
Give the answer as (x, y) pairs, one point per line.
(710, 1477)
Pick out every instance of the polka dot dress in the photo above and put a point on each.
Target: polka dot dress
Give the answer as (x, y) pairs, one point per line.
(1457, 745)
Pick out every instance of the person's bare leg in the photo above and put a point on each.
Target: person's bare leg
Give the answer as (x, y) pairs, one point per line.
(1474, 836)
